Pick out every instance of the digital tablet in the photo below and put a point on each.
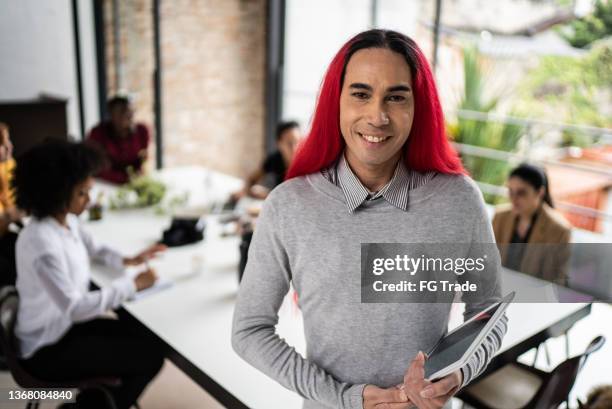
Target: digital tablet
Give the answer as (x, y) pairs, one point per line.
(455, 349)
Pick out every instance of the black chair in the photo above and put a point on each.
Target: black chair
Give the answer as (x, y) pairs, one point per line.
(519, 386)
(9, 303)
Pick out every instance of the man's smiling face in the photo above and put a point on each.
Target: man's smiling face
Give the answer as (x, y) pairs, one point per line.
(376, 107)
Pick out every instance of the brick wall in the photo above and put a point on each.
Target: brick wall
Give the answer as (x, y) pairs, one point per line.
(213, 62)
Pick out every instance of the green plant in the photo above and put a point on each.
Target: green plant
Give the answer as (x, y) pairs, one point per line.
(171, 203)
(482, 133)
(584, 31)
(599, 62)
(140, 191)
(572, 90)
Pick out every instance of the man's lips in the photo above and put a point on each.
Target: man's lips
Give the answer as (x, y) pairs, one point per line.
(373, 138)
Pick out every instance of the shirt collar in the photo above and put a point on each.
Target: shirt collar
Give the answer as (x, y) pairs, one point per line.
(395, 191)
(71, 221)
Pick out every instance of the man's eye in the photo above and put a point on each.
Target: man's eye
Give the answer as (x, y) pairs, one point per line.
(360, 95)
(396, 98)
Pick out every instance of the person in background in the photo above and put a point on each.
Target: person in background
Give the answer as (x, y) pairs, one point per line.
(124, 142)
(8, 212)
(60, 329)
(532, 236)
(599, 398)
(275, 165)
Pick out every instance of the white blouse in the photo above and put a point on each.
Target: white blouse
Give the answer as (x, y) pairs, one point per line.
(53, 274)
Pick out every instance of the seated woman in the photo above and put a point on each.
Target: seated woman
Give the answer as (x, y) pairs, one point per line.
(61, 332)
(532, 236)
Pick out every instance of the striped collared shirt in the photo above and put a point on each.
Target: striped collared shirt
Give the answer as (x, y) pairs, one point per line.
(395, 191)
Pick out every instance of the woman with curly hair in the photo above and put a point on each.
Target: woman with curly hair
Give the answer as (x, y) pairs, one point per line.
(61, 332)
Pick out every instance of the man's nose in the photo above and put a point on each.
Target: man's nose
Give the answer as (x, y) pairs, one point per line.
(377, 115)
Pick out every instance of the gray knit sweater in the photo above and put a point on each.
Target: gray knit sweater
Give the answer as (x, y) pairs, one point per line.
(305, 235)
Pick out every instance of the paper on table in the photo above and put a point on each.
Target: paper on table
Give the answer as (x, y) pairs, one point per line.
(161, 284)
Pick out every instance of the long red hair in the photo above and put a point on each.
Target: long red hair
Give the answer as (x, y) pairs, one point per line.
(427, 147)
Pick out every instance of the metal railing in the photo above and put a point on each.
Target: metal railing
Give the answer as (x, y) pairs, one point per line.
(604, 136)
(570, 207)
(605, 133)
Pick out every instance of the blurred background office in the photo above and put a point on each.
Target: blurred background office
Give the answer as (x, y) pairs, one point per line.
(211, 80)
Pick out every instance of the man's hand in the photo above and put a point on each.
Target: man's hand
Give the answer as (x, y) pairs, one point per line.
(145, 279)
(379, 398)
(144, 255)
(236, 196)
(425, 394)
(14, 214)
(143, 153)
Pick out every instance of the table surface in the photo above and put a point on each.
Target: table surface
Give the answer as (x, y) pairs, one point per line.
(194, 315)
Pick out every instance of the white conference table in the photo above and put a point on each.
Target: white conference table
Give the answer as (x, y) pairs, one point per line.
(193, 317)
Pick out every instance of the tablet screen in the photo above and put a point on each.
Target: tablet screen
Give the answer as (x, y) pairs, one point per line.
(451, 348)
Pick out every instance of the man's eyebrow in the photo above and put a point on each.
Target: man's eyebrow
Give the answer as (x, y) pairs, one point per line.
(361, 85)
(396, 88)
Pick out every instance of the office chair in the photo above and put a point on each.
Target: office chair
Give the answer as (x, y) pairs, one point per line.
(9, 302)
(519, 386)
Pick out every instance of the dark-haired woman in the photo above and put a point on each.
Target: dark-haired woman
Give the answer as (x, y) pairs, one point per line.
(375, 168)
(59, 326)
(533, 237)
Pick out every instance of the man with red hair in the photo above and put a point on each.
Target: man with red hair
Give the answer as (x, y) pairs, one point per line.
(376, 167)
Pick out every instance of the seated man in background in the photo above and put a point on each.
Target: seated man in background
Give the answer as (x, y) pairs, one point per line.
(124, 141)
(8, 212)
(275, 165)
(61, 330)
